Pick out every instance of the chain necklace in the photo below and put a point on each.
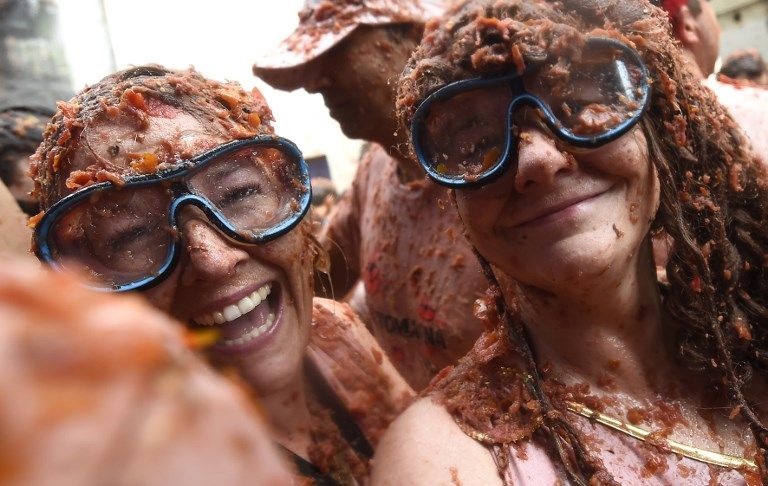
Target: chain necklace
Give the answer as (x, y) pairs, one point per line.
(701, 455)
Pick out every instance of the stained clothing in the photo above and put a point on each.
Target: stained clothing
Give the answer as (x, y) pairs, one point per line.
(487, 384)
(350, 379)
(630, 462)
(406, 243)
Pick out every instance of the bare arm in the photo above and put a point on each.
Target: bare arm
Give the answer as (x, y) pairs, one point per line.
(354, 365)
(424, 446)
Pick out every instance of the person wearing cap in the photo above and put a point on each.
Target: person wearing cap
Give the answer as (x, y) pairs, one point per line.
(694, 24)
(393, 229)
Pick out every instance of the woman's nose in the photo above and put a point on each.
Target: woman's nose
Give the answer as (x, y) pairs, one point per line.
(539, 161)
(210, 255)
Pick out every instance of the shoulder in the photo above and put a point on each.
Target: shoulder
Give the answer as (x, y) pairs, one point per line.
(738, 98)
(332, 320)
(337, 322)
(375, 163)
(425, 446)
(372, 164)
(356, 368)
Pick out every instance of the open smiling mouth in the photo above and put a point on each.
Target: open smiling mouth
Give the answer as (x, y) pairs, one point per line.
(252, 316)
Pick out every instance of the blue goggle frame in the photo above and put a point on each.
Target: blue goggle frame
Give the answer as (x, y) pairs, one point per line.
(181, 197)
(523, 98)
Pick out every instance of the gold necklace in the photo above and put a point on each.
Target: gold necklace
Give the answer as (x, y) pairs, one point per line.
(701, 455)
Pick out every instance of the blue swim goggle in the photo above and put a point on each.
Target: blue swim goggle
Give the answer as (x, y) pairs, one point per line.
(464, 134)
(128, 237)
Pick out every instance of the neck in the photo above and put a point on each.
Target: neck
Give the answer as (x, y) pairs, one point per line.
(408, 170)
(395, 141)
(606, 332)
(288, 413)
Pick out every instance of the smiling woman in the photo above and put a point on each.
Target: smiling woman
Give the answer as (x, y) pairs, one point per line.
(572, 131)
(174, 185)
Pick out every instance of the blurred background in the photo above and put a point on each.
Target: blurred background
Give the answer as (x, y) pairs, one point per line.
(744, 24)
(50, 49)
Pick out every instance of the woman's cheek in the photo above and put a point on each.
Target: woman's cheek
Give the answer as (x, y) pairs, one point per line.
(162, 295)
(480, 215)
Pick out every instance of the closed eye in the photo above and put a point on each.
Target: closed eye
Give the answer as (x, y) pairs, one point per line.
(127, 237)
(237, 194)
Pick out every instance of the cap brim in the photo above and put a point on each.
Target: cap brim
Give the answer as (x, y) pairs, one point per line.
(283, 67)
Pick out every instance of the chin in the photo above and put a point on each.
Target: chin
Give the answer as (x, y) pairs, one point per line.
(269, 376)
(576, 260)
(275, 362)
(351, 131)
(351, 124)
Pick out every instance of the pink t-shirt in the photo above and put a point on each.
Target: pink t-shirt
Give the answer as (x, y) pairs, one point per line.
(406, 243)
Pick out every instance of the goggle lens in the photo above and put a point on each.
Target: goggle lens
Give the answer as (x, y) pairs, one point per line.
(594, 95)
(254, 188)
(117, 236)
(464, 134)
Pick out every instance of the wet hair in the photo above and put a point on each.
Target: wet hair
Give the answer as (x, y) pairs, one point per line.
(713, 189)
(746, 64)
(220, 107)
(21, 130)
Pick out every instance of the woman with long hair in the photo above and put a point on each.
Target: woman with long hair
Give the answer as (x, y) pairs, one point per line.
(572, 133)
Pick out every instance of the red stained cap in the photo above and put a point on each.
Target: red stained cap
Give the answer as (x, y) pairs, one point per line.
(324, 23)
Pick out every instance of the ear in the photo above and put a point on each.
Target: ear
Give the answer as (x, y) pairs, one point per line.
(687, 27)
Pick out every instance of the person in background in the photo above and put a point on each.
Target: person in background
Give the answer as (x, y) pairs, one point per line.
(21, 130)
(103, 389)
(745, 65)
(393, 229)
(694, 23)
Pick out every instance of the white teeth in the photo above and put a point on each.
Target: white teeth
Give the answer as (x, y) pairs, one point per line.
(246, 305)
(264, 291)
(232, 312)
(254, 333)
(255, 297)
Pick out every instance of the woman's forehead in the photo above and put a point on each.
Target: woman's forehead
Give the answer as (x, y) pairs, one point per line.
(164, 136)
(122, 144)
